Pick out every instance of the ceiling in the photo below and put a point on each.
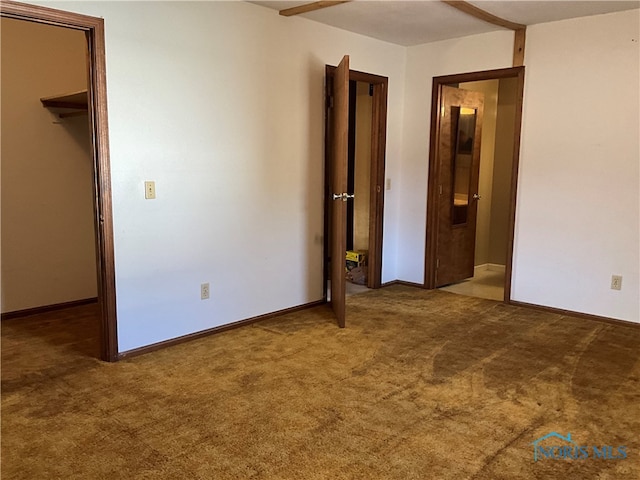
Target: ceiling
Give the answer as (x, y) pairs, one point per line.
(423, 21)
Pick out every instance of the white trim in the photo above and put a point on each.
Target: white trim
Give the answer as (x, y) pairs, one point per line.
(489, 267)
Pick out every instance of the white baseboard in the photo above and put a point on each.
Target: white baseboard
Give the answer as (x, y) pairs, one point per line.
(489, 267)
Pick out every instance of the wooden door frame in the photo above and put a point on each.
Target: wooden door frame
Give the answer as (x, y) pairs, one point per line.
(378, 154)
(97, 94)
(434, 168)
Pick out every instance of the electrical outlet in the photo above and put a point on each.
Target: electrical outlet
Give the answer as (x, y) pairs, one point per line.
(204, 291)
(616, 282)
(149, 190)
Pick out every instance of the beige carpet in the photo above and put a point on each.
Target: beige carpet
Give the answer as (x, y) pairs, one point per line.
(420, 385)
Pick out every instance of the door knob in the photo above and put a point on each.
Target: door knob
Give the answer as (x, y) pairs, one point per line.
(343, 196)
(476, 196)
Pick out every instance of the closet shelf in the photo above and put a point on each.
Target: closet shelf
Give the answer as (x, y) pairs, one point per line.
(75, 100)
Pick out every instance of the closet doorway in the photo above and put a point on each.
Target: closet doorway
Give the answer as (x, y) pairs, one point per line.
(367, 105)
(95, 213)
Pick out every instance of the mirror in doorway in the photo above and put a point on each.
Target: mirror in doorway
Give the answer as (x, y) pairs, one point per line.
(464, 121)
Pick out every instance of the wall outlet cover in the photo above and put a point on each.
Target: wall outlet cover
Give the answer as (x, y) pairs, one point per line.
(205, 293)
(149, 190)
(616, 282)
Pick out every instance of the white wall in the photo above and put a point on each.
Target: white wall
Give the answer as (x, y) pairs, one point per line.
(578, 198)
(461, 55)
(48, 239)
(222, 105)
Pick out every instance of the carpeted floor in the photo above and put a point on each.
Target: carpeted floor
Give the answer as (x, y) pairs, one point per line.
(420, 385)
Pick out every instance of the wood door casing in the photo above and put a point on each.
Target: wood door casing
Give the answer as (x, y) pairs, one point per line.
(456, 239)
(432, 191)
(97, 94)
(340, 116)
(378, 152)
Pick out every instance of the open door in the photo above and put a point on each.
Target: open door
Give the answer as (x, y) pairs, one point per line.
(338, 187)
(459, 137)
(371, 184)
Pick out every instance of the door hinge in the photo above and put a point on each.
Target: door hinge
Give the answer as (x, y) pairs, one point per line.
(440, 189)
(437, 263)
(442, 111)
(371, 89)
(330, 101)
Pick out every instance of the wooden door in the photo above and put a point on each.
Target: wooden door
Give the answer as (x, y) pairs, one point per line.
(338, 187)
(459, 137)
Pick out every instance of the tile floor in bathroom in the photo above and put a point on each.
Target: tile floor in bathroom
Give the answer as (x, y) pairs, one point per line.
(484, 284)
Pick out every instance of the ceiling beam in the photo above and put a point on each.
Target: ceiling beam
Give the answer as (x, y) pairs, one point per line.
(463, 6)
(520, 31)
(480, 14)
(518, 47)
(309, 7)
